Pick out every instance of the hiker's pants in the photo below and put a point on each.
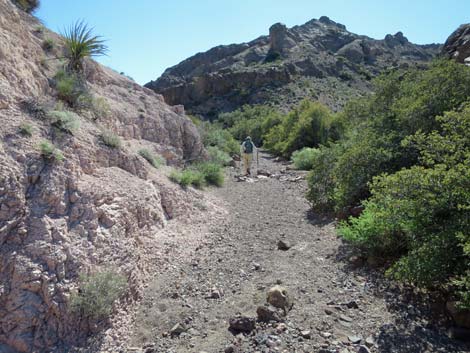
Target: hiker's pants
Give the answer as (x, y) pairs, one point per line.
(247, 159)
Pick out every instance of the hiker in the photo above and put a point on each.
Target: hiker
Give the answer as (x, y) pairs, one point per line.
(247, 150)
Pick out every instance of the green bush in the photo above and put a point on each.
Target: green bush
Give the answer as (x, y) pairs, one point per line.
(155, 160)
(110, 139)
(305, 126)
(214, 135)
(420, 216)
(97, 294)
(70, 89)
(304, 159)
(64, 120)
(50, 152)
(370, 130)
(217, 156)
(26, 129)
(254, 121)
(213, 173)
(48, 44)
(27, 5)
(188, 177)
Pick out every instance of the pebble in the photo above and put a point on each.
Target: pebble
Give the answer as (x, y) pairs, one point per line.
(307, 334)
(355, 339)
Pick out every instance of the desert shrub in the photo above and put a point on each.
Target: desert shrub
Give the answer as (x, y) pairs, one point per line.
(217, 156)
(64, 120)
(34, 108)
(420, 216)
(321, 179)
(70, 89)
(110, 139)
(50, 152)
(100, 107)
(155, 160)
(27, 5)
(80, 43)
(213, 173)
(48, 44)
(305, 126)
(213, 135)
(371, 130)
(254, 121)
(272, 56)
(26, 129)
(304, 159)
(97, 294)
(188, 177)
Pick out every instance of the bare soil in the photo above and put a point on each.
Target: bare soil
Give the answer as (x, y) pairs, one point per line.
(239, 260)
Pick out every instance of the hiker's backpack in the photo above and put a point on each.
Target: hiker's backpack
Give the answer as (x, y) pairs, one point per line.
(248, 146)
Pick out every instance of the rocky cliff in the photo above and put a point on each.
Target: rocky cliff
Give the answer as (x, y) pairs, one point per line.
(98, 208)
(457, 46)
(320, 59)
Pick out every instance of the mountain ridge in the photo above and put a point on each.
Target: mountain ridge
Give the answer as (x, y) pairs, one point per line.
(313, 60)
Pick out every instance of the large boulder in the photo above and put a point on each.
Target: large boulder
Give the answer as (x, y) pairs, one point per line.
(457, 46)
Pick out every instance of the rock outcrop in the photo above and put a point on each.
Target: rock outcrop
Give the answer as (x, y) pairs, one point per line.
(99, 208)
(457, 45)
(320, 59)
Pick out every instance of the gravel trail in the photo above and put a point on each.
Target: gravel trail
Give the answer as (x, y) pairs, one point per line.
(337, 308)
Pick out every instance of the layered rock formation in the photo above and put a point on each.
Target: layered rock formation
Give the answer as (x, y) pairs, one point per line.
(99, 208)
(457, 45)
(320, 60)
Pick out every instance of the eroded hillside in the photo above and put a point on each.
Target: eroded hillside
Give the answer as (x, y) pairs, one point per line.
(97, 208)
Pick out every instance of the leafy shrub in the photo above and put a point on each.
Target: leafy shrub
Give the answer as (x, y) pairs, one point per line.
(188, 177)
(305, 126)
(97, 294)
(254, 121)
(217, 156)
(50, 152)
(420, 216)
(64, 120)
(100, 107)
(48, 44)
(80, 43)
(371, 130)
(214, 135)
(155, 160)
(27, 5)
(110, 139)
(26, 129)
(212, 173)
(70, 88)
(303, 159)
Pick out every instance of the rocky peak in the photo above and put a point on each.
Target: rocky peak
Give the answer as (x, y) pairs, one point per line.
(396, 39)
(280, 38)
(457, 45)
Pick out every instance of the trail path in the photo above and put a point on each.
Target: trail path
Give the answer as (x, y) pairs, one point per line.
(241, 261)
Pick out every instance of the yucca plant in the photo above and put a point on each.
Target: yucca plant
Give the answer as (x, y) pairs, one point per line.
(80, 43)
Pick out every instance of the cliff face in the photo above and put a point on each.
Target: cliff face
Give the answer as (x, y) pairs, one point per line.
(457, 46)
(99, 208)
(320, 60)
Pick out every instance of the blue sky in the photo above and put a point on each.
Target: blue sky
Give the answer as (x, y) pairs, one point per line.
(147, 36)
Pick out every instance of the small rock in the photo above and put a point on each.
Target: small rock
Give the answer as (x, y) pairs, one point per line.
(216, 293)
(352, 305)
(307, 334)
(363, 349)
(326, 334)
(242, 324)
(283, 245)
(229, 349)
(345, 318)
(256, 266)
(281, 327)
(328, 311)
(268, 313)
(355, 339)
(177, 330)
(279, 297)
(370, 341)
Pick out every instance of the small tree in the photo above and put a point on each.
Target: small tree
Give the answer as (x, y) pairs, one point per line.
(80, 43)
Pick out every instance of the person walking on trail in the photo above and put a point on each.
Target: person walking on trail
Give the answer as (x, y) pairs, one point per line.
(247, 150)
